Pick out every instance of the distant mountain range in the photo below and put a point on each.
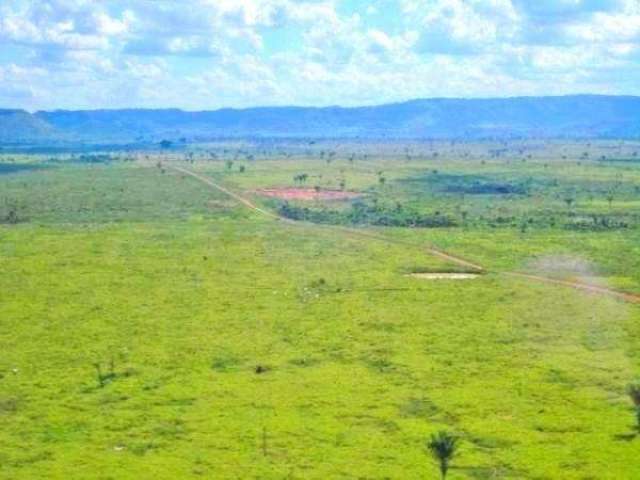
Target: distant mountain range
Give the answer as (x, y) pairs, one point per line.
(578, 116)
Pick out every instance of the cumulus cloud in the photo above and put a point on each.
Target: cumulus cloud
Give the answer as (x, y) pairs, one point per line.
(210, 53)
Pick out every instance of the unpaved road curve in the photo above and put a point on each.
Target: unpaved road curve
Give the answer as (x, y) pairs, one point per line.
(626, 296)
(211, 183)
(436, 252)
(249, 204)
(629, 297)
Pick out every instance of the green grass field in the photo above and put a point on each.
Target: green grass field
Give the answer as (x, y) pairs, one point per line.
(153, 327)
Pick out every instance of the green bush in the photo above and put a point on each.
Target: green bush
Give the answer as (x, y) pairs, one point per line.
(362, 213)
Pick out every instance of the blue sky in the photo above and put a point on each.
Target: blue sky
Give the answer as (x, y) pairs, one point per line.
(204, 54)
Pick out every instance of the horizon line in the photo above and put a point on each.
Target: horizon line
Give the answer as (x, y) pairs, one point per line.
(318, 107)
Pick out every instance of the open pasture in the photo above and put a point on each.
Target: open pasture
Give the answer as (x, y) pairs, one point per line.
(152, 326)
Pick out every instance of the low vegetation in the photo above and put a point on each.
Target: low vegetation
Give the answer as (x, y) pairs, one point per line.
(154, 326)
(361, 213)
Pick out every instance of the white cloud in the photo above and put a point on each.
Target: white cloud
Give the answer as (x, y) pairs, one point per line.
(210, 53)
(461, 26)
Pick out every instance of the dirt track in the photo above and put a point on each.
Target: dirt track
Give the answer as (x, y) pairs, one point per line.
(629, 297)
(211, 183)
(626, 296)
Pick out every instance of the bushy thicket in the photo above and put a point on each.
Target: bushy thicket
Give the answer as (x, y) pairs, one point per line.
(487, 188)
(361, 213)
(597, 223)
(94, 158)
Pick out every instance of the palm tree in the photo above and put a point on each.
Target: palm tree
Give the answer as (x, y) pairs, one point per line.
(634, 394)
(443, 447)
(610, 197)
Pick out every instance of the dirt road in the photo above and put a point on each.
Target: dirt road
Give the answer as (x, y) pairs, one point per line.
(211, 183)
(626, 296)
(357, 232)
(629, 297)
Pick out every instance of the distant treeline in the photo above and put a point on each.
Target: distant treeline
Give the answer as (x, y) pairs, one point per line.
(361, 213)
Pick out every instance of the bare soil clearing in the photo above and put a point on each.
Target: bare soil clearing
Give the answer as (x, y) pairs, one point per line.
(444, 276)
(307, 194)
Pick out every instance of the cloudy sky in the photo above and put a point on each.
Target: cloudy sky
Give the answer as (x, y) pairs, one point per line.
(203, 54)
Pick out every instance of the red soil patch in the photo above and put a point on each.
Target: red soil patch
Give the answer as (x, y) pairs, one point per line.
(306, 194)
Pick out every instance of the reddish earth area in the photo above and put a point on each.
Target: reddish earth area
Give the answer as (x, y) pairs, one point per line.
(307, 194)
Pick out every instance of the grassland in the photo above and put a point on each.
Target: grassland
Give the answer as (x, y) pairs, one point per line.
(152, 327)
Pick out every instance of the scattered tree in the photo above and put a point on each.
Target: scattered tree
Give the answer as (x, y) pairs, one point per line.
(568, 199)
(610, 197)
(301, 178)
(11, 217)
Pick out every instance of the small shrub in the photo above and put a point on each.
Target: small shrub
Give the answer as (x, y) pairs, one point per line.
(104, 377)
(634, 393)
(12, 215)
(261, 369)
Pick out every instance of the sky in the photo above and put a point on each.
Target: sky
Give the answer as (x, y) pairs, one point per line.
(207, 54)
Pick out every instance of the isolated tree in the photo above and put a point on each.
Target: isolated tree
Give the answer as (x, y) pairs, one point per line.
(569, 201)
(11, 216)
(443, 447)
(301, 178)
(610, 198)
(229, 164)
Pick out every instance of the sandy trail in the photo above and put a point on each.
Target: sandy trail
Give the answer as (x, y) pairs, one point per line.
(211, 183)
(249, 204)
(626, 296)
(629, 297)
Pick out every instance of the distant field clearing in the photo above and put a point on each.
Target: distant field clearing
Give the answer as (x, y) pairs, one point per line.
(306, 194)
